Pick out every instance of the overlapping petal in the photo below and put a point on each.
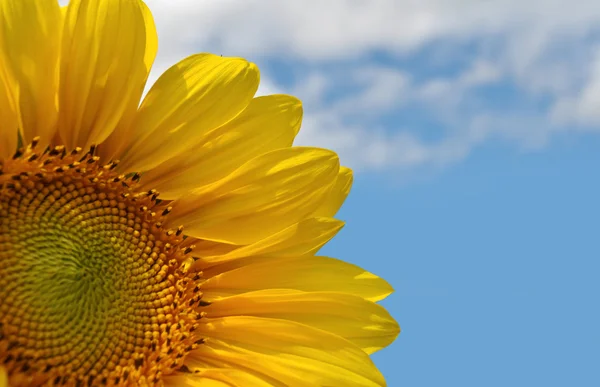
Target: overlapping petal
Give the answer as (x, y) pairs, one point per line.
(296, 355)
(195, 96)
(30, 32)
(107, 49)
(303, 238)
(219, 377)
(338, 194)
(364, 323)
(117, 141)
(268, 123)
(262, 197)
(307, 273)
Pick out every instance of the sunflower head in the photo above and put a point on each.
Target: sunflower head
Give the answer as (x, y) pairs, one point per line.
(170, 242)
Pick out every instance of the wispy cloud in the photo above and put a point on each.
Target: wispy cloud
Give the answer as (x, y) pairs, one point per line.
(500, 70)
(583, 106)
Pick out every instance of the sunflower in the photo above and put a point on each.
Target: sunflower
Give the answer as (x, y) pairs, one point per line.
(212, 282)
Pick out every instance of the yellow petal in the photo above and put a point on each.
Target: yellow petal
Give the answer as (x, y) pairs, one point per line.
(268, 123)
(3, 377)
(195, 380)
(262, 197)
(209, 248)
(338, 194)
(217, 377)
(308, 273)
(291, 353)
(117, 140)
(303, 238)
(30, 32)
(10, 122)
(197, 95)
(364, 323)
(104, 64)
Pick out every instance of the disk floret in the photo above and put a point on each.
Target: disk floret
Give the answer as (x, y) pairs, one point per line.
(94, 289)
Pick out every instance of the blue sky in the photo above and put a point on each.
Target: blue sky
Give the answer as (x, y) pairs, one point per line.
(473, 130)
(495, 266)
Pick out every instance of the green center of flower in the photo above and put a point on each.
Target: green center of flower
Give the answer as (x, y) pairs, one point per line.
(92, 287)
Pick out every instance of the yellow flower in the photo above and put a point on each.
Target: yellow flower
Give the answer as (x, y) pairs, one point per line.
(213, 283)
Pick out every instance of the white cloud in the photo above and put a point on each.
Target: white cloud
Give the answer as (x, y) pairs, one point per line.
(345, 123)
(315, 29)
(381, 89)
(480, 73)
(582, 107)
(542, 48)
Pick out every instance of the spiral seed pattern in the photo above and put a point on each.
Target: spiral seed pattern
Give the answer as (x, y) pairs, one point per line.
(93, 290)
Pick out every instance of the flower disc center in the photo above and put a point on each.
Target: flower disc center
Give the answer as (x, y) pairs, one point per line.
(89, 281)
